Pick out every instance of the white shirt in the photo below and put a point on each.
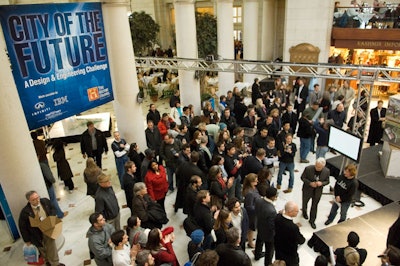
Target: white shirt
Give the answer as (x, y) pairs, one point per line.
(237, 221)
(122, 257)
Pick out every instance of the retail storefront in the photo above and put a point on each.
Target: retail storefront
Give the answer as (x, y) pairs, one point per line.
(372, 47)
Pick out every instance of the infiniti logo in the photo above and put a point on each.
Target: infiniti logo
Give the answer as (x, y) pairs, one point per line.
(39, 105)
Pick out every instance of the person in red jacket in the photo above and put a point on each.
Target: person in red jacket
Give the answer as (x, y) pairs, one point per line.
(156, 183)
(164, 124)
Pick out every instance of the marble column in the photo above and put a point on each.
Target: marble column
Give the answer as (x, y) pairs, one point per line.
(268, 30)
(19, 167)
(250, 35)
(225, 43)
(186, 47)
(123, 71)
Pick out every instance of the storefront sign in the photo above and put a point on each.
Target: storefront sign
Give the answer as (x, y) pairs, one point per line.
(59, 59)
(367, 44)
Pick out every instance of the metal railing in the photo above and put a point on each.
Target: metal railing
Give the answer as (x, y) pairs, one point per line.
(365, 75)
(268, 68)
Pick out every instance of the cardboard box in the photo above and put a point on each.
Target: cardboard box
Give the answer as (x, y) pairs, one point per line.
(51, 226)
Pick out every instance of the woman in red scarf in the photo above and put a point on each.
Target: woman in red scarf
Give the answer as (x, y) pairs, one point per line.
(218, 187)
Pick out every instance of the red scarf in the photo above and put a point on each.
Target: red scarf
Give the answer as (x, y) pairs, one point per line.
(223, 185)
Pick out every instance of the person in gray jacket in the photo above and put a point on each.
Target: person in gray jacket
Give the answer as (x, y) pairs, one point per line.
(315, 177)
(106, 201)
(99, 235)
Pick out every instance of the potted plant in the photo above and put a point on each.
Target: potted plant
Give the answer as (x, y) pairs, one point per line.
(153, 93)
(144, 31)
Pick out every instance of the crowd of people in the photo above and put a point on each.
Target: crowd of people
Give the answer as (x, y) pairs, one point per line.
(220, 163)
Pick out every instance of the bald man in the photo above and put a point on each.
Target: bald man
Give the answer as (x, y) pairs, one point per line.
(287, 235)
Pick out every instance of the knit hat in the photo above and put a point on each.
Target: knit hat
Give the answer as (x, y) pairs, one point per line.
(167, 230)
(222, 126)
(197, 236)
(102, 178)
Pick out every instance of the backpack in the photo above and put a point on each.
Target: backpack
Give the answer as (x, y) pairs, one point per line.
(190, 224)
(193, 261)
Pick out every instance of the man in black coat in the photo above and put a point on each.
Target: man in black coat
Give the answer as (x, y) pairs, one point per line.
(352, 239)
(290, 117)
(265, 224)
(93, 143)
(191, 195)
(230, 253)
(259, 140)
(240, 109)
(315, 177)
(39, 208)
(204, 216)
(191, 168)
(255, 91)
(153, 114)
(378, 116)
(129, 179)
(301, 94)
(305, 133)
(153, 138)
(338, 115)
(394, 232)
(229, 120)
(287, 235)
(232, 166)
(253, 164)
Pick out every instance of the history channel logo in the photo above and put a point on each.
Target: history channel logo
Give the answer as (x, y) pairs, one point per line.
(93, 94)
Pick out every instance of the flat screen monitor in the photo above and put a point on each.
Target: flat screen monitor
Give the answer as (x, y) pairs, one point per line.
(348, 144)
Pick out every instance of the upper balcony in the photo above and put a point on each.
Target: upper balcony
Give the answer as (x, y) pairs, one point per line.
(367, 28)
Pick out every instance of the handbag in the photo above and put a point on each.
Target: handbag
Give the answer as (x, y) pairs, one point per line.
(156, 213)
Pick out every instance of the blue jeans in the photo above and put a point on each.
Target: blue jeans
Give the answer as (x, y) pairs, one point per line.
(120, 162)
(321, 151)
(170, 174)
(343, 211)
(312, 143)
(282, 167)
(53, 199)
(305, 145)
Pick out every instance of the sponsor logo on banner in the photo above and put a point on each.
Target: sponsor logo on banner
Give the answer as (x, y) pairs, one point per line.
(93, 94)
(39, 105)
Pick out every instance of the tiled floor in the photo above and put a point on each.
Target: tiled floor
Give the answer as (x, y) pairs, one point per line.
(81, 206)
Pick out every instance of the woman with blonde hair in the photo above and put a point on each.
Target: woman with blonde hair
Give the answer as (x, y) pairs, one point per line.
(250, 194)
(352, 256)
(90, 174)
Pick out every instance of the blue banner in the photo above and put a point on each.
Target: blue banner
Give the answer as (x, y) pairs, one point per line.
(59, 59)
(8, 216)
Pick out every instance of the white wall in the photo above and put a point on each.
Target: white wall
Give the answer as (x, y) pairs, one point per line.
(304, 26)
